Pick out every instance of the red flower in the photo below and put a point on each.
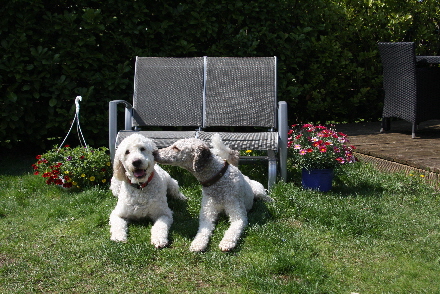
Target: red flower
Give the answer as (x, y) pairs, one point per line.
(38, 157)
(341, 160)
(67, 185)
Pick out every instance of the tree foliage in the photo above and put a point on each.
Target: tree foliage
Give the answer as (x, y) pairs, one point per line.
(329, 68)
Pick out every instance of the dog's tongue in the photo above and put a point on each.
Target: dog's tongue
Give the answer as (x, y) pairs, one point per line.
(139, 173)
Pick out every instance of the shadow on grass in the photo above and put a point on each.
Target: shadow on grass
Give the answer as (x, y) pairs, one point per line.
(345, 184)
(16, 163)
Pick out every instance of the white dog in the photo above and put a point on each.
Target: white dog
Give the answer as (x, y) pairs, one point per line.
(141, 187)
(225, 188)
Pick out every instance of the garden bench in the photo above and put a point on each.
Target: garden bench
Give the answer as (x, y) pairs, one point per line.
(177, 98)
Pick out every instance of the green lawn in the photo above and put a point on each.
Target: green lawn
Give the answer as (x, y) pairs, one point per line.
(373, 233)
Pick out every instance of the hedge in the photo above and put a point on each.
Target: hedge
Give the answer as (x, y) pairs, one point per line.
(329, 68)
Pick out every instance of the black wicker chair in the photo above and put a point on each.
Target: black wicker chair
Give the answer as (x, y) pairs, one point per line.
(412, 92)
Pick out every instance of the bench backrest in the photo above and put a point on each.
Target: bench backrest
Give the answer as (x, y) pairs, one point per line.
(168, 91)
(205, 91)
(241, 92)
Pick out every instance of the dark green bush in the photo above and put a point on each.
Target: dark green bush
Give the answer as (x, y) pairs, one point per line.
(329, 69)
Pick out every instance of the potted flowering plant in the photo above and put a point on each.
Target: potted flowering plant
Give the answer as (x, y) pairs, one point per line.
(318, 150)
(78, 167)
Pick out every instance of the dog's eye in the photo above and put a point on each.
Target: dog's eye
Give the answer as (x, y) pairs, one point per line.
(142, 149)
(127, 152)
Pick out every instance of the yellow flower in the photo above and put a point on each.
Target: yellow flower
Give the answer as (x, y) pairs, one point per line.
(248, 151)
(66, 172)
(108, 163)
(74, 183)
(83, 176)
(92, 178)
(422, 176)
(104, 180)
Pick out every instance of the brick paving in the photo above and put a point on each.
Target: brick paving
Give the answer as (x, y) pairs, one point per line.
(397, 146)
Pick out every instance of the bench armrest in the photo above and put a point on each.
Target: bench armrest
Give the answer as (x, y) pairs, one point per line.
(113, 122)
(283, 128)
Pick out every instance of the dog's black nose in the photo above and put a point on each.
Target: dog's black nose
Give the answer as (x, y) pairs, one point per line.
(137, 163)
(155, 154)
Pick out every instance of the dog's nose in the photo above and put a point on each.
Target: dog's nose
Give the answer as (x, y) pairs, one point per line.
(137, 163)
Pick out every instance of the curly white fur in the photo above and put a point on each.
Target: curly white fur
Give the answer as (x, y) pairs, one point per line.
(134, 165)
(220, 149)
(233, 193)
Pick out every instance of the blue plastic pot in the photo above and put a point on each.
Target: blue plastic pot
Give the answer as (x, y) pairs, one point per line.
(317, 179)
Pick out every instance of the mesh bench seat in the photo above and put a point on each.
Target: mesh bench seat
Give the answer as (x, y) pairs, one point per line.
(207, 94)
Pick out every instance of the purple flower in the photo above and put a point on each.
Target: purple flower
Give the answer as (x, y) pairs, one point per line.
(69, 158)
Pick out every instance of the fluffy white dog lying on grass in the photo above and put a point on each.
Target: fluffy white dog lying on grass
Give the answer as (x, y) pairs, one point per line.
(225, 188)
(141, 187)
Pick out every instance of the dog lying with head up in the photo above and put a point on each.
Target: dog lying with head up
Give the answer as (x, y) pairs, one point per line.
(225, 188)
(141, 187)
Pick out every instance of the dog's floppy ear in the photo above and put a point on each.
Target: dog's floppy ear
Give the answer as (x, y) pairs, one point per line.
(201, 157)
(118, 168)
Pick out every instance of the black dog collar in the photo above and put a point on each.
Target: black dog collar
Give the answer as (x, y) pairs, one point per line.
(217, 177)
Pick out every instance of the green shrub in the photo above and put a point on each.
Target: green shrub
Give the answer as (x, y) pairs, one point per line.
(328, 66)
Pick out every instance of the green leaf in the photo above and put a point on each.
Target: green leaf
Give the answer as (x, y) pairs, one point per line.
(12, 97)
(52, 102)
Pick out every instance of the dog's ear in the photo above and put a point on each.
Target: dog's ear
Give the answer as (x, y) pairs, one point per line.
(201, 157)
(118, 168)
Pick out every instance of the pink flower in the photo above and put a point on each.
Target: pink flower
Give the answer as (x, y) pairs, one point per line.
(303, 152)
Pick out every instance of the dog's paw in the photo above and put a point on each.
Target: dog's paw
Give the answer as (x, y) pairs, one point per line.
(268, 199)
(182, 197)
(226, 245)
(119, 238)
(159, 243)
(197, 247)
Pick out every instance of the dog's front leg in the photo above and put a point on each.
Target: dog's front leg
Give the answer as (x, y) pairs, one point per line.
(118, 227)
(238, 219)
(207, 218)
(159, 231)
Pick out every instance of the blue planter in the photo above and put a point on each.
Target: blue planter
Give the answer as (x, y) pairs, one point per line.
(317, 179)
